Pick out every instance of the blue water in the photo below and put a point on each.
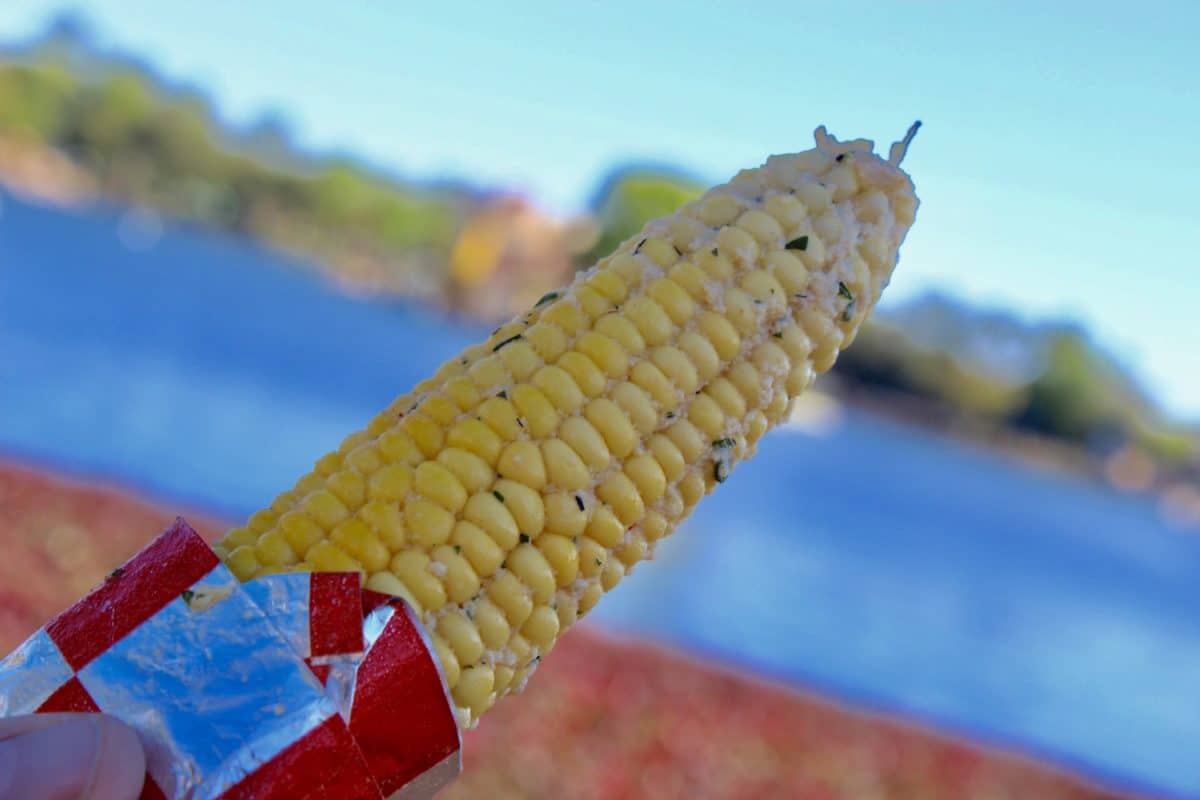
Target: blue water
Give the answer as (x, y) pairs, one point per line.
(883, 565)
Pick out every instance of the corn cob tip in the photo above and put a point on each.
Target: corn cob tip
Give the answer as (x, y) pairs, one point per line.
(827, 141)
(900, 148)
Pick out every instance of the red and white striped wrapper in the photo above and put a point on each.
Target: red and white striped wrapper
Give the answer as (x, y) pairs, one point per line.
(291, 686)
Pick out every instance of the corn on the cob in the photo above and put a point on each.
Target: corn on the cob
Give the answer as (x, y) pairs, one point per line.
(506, 494)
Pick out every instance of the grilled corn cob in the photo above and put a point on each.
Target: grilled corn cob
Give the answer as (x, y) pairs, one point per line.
(506, 494)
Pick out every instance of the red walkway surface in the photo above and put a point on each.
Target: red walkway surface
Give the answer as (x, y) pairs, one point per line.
(603, 718)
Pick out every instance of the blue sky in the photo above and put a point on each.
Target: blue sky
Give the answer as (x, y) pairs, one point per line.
(1057, 167)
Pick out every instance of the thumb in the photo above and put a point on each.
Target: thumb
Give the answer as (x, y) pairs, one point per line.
(69, 757)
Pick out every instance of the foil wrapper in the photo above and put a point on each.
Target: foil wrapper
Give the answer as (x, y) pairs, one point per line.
(294, 686)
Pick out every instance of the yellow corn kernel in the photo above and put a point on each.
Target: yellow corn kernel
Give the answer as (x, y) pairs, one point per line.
(745, 377)
(655, 383)
(463, 393)
(513, 596)
(538, 414)
(567, 609)
(427, 523)
(355, 538)
(604, 527)
(502, 417)
(562, 556)
(559, 388)
(328, 557)
(566, 316)
(324, 507)
(706, 415)
(609, 284)
(566, 513)
(262, 521)
(762, 226)
(365, 458)
(649, 318)
(604, 353)
(587, 376)
(471, 471)
(702, 355)
(622, 331)
(547, 340)
(719, 209)
(728, 398)
(692, 489)
(612, 574)
(691, 278)
(689, 439)
(520, 359)
(592, 556)
(586, 441)
(474, 688)
(412, 567)
(621, 495)
(460, 579)
(487, 510)
(300, 531)
(613, 425)
(675, 365)
(480, 549)
(528, 564)
(592, 302)
(522, 461)
(462, 636)
(721, 335)
(638, 407)
(647, 476)
(564, 468)
(391, 483)
(673, 300)
(386, 521)
(425, 433)
(436, 483)
(475, 437)
(541, 628)
(240, 536)
(450, 667)
(632, 552)
(655, 525)
(738, 245)
(591, 595)
(242, 562)
(669, 459)
(524, 504)
(493, 625)
(348, 486)
(503, 678)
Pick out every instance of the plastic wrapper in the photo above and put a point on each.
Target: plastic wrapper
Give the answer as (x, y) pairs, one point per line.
(294, 686)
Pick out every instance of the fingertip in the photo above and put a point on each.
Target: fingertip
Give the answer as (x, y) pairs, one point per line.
(120, 765)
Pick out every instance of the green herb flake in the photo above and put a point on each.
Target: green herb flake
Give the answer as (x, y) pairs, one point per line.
(497, 495)
(599, 562)
(116, 573)
(579, 502)
(714, 251)
(848, 314)
(188, 595)
(548, 297)
(778, 334)
(503, 395)
(505, 343)
(524, 538)
(723, 443)
(799, 243)
(670, 415)
(638, 249)
(458, 549)
(844, 291)
(720, 471)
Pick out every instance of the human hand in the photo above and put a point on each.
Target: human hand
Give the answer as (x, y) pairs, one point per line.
(69, 757)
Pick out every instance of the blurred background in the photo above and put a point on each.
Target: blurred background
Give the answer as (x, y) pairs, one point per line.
(968, 567)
